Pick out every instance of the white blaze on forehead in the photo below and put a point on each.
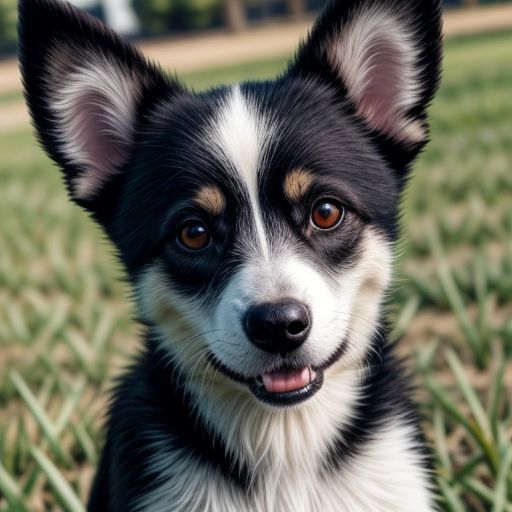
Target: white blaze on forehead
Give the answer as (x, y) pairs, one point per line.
(240, 137)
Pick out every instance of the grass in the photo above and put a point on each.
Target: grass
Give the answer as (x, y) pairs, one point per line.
(258, 69)
(66, 329)
(10, 97)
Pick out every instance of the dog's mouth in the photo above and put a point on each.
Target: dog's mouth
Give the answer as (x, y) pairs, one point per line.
(287, 386)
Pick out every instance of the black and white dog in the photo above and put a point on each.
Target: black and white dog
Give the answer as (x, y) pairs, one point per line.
(256, 223)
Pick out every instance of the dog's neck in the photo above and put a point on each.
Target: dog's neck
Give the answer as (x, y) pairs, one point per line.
(292, 439)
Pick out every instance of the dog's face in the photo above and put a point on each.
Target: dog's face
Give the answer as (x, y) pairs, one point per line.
(256, 221)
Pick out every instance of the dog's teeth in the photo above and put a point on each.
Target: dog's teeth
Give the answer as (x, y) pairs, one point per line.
(312, 375)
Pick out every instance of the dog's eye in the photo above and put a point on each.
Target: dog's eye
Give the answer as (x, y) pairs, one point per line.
(194, 235)
(327, 215)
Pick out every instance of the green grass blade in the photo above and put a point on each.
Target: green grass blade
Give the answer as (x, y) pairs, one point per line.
(70, 405)
(448, 405)
(469, 393)
(405, 317)
(453, 502)
(38, 413)
(469, 467)
(443, 453)
(500, 493)
(483, 492)
(454, 296)
(496, 394)
(484, 433)
(60, 485)
(9, 488)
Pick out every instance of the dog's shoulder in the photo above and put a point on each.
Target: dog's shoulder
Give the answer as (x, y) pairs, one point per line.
(153, 429)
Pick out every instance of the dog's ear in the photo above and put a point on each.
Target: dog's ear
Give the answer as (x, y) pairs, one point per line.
(384, 56)
(88, 91)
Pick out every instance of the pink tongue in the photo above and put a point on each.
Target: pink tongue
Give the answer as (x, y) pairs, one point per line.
(287, 380)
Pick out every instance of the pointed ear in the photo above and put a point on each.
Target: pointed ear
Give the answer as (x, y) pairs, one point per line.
(87, 90)
(385, 57)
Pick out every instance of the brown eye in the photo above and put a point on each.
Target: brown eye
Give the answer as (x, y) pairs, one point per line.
(194, 236)
(327, 215)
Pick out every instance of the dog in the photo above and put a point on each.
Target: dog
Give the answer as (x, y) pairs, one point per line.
(256, 223)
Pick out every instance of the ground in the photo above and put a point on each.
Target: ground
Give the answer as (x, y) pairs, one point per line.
(65, 317)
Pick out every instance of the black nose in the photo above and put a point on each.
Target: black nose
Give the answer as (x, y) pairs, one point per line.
(278, 327)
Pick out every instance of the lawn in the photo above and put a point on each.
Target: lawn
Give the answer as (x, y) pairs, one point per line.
(65, 318)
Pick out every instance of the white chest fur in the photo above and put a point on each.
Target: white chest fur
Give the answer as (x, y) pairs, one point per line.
(385, 475)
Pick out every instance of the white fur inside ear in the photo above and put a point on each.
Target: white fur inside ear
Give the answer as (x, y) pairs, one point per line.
(94, 111)
(378, 60)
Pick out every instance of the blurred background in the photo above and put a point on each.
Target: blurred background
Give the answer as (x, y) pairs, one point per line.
(66, 324)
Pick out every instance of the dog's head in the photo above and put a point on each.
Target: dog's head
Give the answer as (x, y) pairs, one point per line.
(256, 221)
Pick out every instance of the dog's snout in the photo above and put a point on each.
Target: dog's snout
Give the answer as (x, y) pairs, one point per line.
(278, 327)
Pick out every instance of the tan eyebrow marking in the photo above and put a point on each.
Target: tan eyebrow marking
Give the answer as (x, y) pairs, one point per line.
(297, 183)
(211, 199)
